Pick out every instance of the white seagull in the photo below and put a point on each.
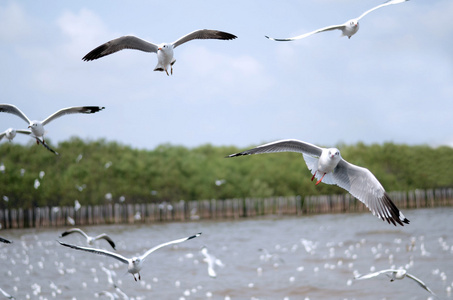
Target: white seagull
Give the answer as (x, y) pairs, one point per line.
(327, 165)
(10, 133)
(90, 239)
(349, 28)
(164, 51)
(37, 127)
(135, 264)
(5, 241)
(211, 260)
(396, 275)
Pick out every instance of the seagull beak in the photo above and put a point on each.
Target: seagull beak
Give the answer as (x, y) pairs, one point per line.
(159, 49)
(29, 126)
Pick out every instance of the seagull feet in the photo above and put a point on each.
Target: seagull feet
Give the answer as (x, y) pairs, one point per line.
(167, 72)
(313, 177)
(134, 277)
(319, 181)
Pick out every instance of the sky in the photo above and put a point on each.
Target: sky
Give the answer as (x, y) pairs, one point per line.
(391, 82)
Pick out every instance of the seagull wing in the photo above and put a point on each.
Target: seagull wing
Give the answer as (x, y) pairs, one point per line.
(363, 185)
(12, 109)
(107, 238)
(204, 34)
(390, 2)
(124, 42)
(72, 230)
(289, 145)
(371, 275)
(6, 294)
(328, 28)
(73, 110)
(168, 243)
(421, 283)
(121, 258)
(5, 241)
(23, 131)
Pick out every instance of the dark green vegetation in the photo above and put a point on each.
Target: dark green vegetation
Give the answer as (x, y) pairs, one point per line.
(171, 173)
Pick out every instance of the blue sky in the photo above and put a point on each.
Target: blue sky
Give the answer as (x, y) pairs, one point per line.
(391, 82)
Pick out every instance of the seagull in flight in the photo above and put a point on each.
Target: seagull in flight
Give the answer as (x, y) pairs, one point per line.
(135, 264)
(90, 239)
(349, 28)
(327, 165)
(396, 275)
(165, 59)
(37, 127)
(211, 260)
(5, 241)
(8, 296)
(10, 133)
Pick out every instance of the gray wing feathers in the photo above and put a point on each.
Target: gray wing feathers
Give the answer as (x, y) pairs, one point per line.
(168, 243)
(9, 108)
(390, 2)
(283, 146)
(73, 110)
(124, 42)
(97, 251)
(204, 34)
(421, 283)
(363, 185)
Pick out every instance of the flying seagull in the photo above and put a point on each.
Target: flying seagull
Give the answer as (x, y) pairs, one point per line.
(10, 133)
(349, 28)
(37, 127)
(90, 239)
(396, 274)
(327, 165)
(164, 51)
(5, 241)
(135, 264)
(211, 260)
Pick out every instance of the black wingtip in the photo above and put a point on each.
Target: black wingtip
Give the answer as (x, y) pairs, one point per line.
(237, 154)
(194, 236)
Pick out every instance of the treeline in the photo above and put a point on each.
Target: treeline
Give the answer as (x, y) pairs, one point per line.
(98, 172)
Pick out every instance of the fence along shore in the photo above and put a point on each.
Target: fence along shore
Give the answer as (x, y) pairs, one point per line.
(214, 209)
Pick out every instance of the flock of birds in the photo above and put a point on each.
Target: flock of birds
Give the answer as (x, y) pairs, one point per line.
(326, 164)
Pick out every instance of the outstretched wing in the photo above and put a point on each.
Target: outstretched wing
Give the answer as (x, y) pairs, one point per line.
(289, 145)
(367, 276)
(390, 2)
(204, 34)
(328, 28)
(98, 251)
(168, 243)
(72, 230)
(5, 241)
(12, 109)
(421, 283)
(363, 185)
(124, 42)
(107, 238)
(73, 110)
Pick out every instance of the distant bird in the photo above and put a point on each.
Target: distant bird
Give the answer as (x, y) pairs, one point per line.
(349, 28)
(135, 264)
(327, 165)
(37, 127)
(8, 296)
(164, 51)
(5, 241)
(396, 274)
(212, 261)
(90, 239)
(10, 133)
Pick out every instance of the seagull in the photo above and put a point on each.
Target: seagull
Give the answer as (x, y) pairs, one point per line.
(8, 296)
(164, 51)
(37, 127)
(327, 165)
(349, 28)
(211, 260)
(10, 133)
(396, 274)
(135, 264)
(5, 241)
(90, 239)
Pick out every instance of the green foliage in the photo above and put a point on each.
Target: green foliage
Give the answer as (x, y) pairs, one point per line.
(90, 170)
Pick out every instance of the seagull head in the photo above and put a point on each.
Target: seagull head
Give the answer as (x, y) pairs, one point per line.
(10, 133)
(37, 128)
(164, 47)
(354, 23)
(136, 261)
(334, 153)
